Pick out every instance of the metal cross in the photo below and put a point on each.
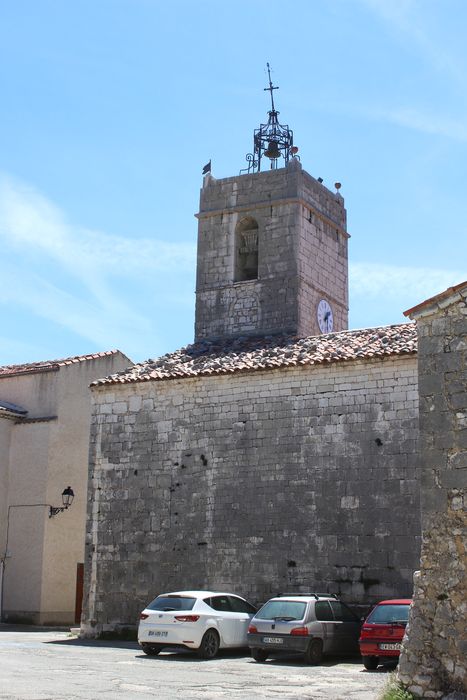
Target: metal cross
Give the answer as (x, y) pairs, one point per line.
(271, 88)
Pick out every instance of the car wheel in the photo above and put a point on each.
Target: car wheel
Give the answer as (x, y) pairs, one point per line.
(151, 649)
(370, 662)
(314, 653)
(259, 654)
(209, 645)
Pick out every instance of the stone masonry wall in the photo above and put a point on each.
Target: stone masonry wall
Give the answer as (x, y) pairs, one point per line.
(434, 657)
(260, 482)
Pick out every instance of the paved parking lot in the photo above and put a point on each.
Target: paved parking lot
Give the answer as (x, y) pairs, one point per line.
(52, 665)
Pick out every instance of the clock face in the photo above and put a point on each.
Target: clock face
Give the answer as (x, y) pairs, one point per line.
(325, 318)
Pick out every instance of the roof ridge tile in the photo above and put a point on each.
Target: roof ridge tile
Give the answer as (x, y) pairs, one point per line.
(52, 365)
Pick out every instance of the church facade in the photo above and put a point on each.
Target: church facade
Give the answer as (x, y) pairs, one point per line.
(279, 451)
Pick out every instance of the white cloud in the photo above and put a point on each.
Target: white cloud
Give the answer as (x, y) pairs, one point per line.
(423, 122)
(404, 286)
(407, 19)
(97, 266)
(27, 218)
(407, 117)
(88, 319)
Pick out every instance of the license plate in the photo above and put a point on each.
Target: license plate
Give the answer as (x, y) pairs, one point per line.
(157, 633)
(273, 640)
(390, 647)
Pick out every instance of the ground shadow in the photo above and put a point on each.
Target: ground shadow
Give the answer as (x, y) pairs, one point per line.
(97, 643)
(184, 655)
(327, 662)
(7, 627)
(292, 659)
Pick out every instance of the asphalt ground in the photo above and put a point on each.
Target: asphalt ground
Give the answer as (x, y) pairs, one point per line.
(38, 664)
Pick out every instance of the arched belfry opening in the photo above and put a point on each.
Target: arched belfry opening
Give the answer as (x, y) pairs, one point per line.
(246, 250)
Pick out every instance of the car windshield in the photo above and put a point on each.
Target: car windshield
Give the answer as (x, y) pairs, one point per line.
(386, 614)
(282, 610)
(172, 602)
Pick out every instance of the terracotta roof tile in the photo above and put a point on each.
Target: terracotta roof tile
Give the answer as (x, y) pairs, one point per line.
(247, 354)
(51, 365)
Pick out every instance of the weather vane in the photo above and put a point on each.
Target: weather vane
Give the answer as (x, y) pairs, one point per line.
(271, 140)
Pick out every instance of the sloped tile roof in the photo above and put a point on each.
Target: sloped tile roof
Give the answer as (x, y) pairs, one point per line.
(450, 295)
(50, 365)
(246, 354)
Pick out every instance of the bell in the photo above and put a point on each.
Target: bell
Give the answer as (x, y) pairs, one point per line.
(273, 150)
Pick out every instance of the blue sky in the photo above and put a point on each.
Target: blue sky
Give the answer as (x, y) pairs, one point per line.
(110, 108)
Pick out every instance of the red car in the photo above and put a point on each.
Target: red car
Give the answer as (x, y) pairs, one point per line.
(382, 632)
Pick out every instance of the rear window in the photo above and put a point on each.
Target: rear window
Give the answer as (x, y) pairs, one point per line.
(282, 609)
(172, 602)
(385, 614)
(342, 613)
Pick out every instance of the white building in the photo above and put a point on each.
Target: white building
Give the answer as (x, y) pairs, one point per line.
(44, 438)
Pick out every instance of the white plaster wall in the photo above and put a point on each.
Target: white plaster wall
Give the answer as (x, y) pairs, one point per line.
(5, 435)
(23, 459)
(37, 393)
(27, 479)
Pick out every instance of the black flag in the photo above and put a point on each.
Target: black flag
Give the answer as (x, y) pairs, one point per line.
(207, 168)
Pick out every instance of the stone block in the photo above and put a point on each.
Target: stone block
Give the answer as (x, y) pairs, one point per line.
(433, 500)
(429, 384)
(134, 403)
(454, 479)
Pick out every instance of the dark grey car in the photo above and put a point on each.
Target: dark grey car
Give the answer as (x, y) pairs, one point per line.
(309, 624)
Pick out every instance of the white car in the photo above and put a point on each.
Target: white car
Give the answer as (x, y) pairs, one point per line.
(205, 621)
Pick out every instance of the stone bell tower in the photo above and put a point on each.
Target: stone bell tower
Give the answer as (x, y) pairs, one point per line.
(272, 247)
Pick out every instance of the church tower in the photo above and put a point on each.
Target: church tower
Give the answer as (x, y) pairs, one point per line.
(272, 246)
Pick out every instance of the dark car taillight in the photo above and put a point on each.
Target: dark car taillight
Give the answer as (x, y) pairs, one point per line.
(252, 629)
(299, 632)
(143, 616)
(187, 618)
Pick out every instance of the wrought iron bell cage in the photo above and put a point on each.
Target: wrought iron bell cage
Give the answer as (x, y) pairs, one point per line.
(271, 140)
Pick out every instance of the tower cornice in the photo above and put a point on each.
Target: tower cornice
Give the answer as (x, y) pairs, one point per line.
(206, 214)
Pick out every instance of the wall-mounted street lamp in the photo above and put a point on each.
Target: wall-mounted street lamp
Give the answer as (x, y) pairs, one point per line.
(67, 500)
